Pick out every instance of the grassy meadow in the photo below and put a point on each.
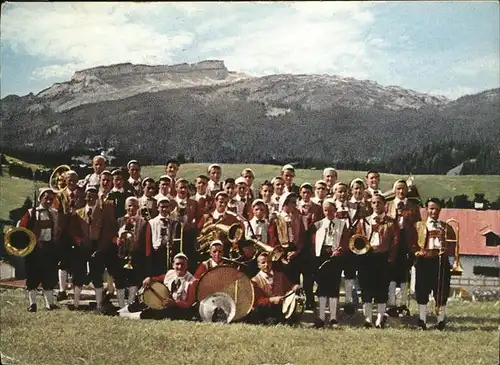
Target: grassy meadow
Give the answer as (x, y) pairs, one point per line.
(65, 337)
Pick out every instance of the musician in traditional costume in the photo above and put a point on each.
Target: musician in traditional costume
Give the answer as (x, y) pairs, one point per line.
(311, 213)
(407, 213)
(98, 165)
(188, 214)
(342, 203)
(270, 287)
(171, 169)
(242, 196)
(288, 174)
(320, 192)
(266, 192)
(118, 193)
(165, 183)
(330, 237)
(248, 175)
(258, 227)
(233, 205)
(182, 287)
(147, 202)
(432, 265)
(288, 231)
(134, 182)
(330, 177)
(71, 198)
(134, 252)
(93, 228)
(278, 191)
(105, 185)
(161, 231)
(372, 180)
(216, 254)
(41, 263)
(203, 198)
(382, 234)
(215, 184)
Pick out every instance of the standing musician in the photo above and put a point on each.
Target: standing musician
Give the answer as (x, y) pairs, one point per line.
(171, 169)
(319, 192)
(372, 179)
(93, 228)
(134, 181)
(234, 205)
(215, 184)
(341, 202)
(270, 287)
(98, 165)
(330, 237)
(278, 190)
(407, 213)
(147, 202)
(69, 200)
(134, 252)
(311, 213)
(161, 231)
(288, 174)
(265, 193)
(359, 210)
(382, 233)
(188, 214)
(41, 263)
(249, 177)
(203, 198)
(330, 177)
(118, 193)
(289, 232)
(433, 271)
(165, 183)
(242, 196)
(105, 185)
(216, 253)
(258, 227)
(181, 285)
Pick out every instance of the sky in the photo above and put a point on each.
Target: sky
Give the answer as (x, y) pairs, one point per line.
(443, 48)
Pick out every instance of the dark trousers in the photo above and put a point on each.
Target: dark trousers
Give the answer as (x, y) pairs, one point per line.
(41, 266)
(399, 271)
(266, 314)
(328, 275)
(303, 264)
(65, 253)
(159, 261)
(350, 263)
(128, 277)
(427, 272)
(98, 262)
(78, 265)
(172, 312)
(373, 277)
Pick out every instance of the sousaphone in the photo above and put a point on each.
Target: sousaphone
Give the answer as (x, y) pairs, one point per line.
(57, 179)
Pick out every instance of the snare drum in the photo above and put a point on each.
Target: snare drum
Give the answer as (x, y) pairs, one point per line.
(154, 295)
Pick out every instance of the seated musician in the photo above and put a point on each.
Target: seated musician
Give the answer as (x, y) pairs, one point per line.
(41, 263)
(270, 288)
(214, 184)
(382, 233)
(182, 287)
(407, 213)
(331, 240)
(330, 178)
(432, 264)
(216, 249)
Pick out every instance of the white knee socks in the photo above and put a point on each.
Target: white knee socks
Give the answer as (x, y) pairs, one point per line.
(442, 313)
(367, 311)
(32, 296)
(98, 297)
(392, 294)
(333, 308)
(404, 293)
(349, 284)
(76, 298)
(322, 308)
(63, 280)
(132, 291)
(120, 295)
(380, 312)
(422, 310)
(48, 295)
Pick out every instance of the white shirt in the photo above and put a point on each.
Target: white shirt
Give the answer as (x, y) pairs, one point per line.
(43, 214)
(275, 203)
(182, 284)
(268, 278)
(216, 215)
(434, 242)
(213, 186)
(93, 179)
(375, 238)
(197, 197)
(156, 226)
(259, 228)
(326, 235)
(116, 190)
(239, 205)
(88, 208)
(161, 196)
(144, 201)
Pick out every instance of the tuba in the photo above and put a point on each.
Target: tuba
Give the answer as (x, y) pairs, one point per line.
(57, 178)
(277, 253)
(19, 241)
(127, 234)
(211, 232)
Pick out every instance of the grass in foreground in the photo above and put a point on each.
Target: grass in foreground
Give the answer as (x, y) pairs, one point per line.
(64, 337)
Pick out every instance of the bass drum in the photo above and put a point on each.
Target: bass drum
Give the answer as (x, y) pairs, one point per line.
(153, 295)
(231, 281)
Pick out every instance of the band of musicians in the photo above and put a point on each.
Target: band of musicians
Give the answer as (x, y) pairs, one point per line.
(291, 247)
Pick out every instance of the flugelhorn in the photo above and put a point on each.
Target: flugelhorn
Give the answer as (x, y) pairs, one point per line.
(127, 235)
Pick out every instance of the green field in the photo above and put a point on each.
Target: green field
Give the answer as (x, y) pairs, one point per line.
(65, 337)
(13, 191)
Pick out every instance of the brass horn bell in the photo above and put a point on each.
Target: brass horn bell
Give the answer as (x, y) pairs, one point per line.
(359, 244)
(19, 241)
(57, 179)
